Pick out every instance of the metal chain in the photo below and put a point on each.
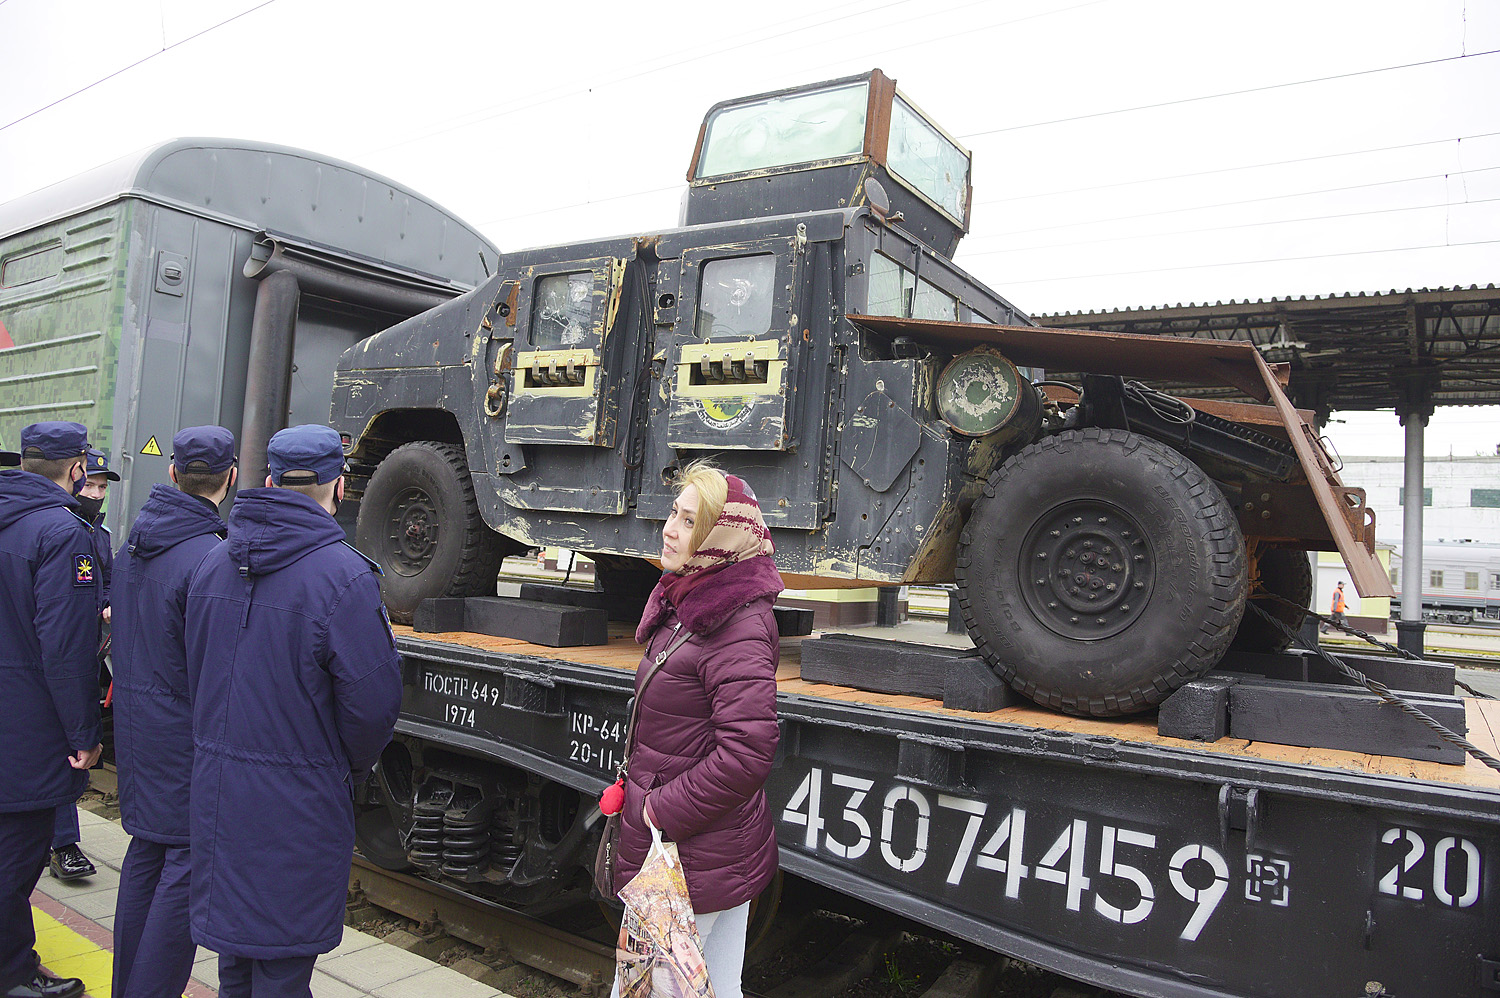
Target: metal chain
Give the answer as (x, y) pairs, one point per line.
(1366, 635)
(1384, 693)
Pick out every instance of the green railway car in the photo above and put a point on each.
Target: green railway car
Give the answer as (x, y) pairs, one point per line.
(208, 281)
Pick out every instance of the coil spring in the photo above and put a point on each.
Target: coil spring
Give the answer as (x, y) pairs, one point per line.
(466, 843)
(424, 846)
(505, 847)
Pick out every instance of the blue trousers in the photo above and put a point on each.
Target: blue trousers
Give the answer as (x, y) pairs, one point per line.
(242, 977)
(65, 826)
(23, 856)
(153, 947)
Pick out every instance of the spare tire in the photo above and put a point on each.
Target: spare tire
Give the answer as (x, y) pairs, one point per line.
(1284, 573)
(419, 519)
(1099, 571)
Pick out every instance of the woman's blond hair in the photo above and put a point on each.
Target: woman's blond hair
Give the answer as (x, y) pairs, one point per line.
(713, 493)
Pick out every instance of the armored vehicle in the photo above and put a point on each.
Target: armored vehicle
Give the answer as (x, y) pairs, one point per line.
(806, 327)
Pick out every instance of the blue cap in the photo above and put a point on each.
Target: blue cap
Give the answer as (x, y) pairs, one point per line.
(97, 463)
(54, 440)
(204, 450)
(305, 452)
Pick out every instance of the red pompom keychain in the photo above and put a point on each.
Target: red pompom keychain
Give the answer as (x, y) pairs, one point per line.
(613, 798)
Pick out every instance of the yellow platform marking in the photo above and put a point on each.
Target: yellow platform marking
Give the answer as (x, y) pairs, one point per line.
(69, 954)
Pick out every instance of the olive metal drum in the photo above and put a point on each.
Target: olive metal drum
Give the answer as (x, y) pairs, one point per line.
(981, 392)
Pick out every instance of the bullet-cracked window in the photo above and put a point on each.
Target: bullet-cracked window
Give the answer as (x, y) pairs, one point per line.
(564, 311)
(737, 297)
(896, 291)
(782, 131)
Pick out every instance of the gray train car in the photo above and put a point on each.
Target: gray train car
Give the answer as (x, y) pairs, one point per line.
(208, 281)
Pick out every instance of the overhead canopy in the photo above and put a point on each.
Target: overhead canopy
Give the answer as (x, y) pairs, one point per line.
(1366, 351)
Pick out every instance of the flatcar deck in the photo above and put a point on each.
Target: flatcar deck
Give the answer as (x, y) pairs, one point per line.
(623, 653)
(1098, 849)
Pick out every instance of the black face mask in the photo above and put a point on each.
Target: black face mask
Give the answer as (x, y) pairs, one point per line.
(89, 508)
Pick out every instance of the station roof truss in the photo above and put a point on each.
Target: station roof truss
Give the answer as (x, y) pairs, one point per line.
(1397, 349)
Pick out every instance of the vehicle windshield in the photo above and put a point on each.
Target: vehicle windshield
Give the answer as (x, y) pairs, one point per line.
(782, 131)
(925, 158)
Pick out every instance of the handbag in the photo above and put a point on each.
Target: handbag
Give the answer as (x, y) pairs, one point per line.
(604, 859)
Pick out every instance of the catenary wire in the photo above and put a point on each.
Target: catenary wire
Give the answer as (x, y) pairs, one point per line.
(1231, 204)
(141, 61)
(1249, 263)
(500, 110)
(1030, 247)
(1233, 169)
(1230, 93)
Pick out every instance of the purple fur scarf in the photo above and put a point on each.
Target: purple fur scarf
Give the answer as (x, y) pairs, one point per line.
(706, 607)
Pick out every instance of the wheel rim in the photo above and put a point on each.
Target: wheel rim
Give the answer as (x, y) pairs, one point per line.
(411, 532)
(1087, 569)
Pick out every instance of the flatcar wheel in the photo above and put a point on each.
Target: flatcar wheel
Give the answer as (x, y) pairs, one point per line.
(1099, 571)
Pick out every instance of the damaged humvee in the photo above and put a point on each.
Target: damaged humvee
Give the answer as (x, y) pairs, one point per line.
(806, 327)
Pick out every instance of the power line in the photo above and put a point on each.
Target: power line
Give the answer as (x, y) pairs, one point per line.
(577, 204)
(501, 110)
(138, 62)
(1229, 93)
(1234, 169)
(1243, 225)
(1230, 204)
(1248, 263)
(1180, 176)
(469, 118)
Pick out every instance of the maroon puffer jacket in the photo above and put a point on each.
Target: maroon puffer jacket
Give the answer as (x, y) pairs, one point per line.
(705, 737)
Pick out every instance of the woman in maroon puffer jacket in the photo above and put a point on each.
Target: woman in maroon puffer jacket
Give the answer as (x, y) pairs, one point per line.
(706, 725)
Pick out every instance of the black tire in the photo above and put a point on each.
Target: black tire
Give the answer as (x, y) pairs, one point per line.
(420, 521)
(1284, 573)
(1157, 619)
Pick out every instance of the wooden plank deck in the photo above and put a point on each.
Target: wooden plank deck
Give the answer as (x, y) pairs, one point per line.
(623, 653)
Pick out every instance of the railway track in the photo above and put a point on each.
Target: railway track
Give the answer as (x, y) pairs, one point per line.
(806, 952)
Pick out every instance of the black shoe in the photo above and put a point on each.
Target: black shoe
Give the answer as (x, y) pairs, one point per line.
(69, 863)
(44, 985)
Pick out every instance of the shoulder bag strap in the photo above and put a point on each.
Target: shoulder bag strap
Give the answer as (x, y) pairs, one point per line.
(656, 663)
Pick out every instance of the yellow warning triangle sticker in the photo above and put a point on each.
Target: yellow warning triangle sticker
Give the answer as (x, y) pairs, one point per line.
(151, 449)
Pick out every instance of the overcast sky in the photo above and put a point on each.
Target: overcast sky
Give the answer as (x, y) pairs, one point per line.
(1126, 152)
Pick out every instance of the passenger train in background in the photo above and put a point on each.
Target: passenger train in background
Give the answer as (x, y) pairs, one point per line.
(1460, 582)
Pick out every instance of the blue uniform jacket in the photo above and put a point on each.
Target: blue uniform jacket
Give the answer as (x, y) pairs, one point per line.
(153, 715)
(296, 685)
(104, 552)
(49, 634)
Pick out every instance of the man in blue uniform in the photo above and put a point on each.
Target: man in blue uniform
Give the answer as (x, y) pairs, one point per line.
(153, 716)
(296, 684)
(68, 861)
(49, 680)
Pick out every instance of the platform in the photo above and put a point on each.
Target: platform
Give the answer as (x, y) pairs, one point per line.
(74, 922)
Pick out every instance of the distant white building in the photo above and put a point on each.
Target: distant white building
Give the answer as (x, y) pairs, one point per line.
(1460, 497)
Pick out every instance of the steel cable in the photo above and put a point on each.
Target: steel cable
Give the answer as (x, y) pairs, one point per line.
(1372, 639)
(1384, 693)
